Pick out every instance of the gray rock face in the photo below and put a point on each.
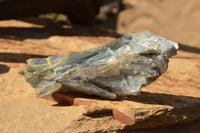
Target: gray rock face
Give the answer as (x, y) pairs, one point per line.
(115, 69)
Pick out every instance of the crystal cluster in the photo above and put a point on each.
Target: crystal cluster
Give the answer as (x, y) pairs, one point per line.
(115, 69)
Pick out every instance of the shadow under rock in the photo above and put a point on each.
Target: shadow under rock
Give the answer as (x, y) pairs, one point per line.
(17, 58)
(4, 68)
(22, 33)
(189, 58)
(143, 97)
(162, 99)
(187, 48)
(192, 127)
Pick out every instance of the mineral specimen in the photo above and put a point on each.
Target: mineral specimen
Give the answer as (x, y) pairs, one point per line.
(115, 69)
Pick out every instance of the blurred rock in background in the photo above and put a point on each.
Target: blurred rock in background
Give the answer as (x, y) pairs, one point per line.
(78, 11)
(176, 20)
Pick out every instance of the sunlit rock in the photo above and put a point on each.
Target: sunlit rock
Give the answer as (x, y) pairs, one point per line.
(116, 69)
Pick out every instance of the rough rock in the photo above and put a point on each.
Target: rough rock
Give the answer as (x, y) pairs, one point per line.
(148, 110)
(116, 69)
(177, 90)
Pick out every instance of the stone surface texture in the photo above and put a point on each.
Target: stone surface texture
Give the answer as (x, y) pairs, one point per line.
(116, 69)
(148, 110)
(173, 98)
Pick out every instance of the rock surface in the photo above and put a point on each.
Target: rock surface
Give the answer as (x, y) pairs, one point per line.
(148, 110)
(116, 69)
(172, 99)
(157, 16)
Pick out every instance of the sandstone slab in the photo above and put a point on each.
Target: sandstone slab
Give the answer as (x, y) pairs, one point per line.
(148, 110)
(172, 99)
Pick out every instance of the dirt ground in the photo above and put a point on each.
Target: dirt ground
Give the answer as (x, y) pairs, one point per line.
(21, 111)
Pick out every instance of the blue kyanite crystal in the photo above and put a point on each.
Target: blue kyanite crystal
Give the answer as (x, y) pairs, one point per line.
(118, 68)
